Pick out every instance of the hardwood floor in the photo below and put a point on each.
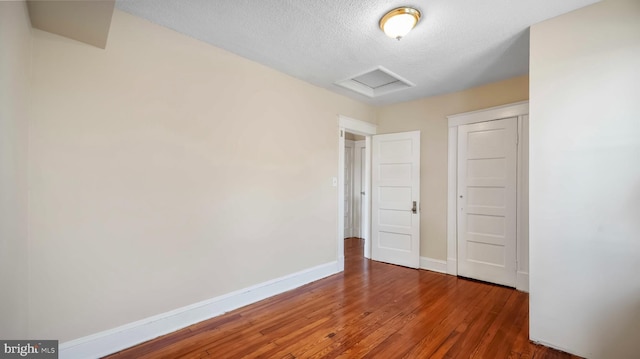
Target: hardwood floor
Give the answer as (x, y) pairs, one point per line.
(371, 310)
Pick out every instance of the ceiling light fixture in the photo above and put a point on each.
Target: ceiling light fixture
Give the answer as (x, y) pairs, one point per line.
(398, 22)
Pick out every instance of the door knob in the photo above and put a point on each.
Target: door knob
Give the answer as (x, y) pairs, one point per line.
(414, 209)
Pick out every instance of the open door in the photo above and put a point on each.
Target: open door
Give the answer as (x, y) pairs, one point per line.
(395, 217)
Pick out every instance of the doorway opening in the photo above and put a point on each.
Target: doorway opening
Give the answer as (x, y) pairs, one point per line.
(363, 131)
(354, 190)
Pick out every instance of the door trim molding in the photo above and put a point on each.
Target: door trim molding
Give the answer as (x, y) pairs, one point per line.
(521, 111)
(356, 126)
(515, 109)
(364, 129)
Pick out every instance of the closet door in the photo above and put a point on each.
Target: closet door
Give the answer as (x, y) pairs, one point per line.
(487, 198)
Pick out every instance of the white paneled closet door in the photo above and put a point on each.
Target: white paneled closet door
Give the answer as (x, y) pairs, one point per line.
(487, 199)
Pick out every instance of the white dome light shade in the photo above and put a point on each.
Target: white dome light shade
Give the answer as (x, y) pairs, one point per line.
(398, 22)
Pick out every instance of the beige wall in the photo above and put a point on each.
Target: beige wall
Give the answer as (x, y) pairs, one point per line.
(429, 116)
(15, 55)
(585, 181)
(164, 171)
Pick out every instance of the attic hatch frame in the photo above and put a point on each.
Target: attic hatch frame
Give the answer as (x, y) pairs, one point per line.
(354, 83)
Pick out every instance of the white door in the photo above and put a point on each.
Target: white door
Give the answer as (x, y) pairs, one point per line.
(358, 187)
(348, 188)
(487, 160)
(395, 198)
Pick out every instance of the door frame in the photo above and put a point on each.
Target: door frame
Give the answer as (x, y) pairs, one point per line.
(366, 129)
(521, 111)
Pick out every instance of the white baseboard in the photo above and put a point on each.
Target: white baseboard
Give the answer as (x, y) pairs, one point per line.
(522, 281)
(560, 348)
(452, 266)
(128, 335)
(434, 265)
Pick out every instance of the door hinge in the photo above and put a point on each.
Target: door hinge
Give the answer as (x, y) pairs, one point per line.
(341, 133)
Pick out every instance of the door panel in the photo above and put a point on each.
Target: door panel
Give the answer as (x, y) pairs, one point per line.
(395, 187)
(487, 165)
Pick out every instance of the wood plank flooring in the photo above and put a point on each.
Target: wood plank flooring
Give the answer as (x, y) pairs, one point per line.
(371, 310)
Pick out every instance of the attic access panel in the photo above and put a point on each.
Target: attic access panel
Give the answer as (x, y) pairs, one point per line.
(376, 82)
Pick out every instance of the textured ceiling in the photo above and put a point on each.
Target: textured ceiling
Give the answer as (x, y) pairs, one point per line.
(457, 44)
